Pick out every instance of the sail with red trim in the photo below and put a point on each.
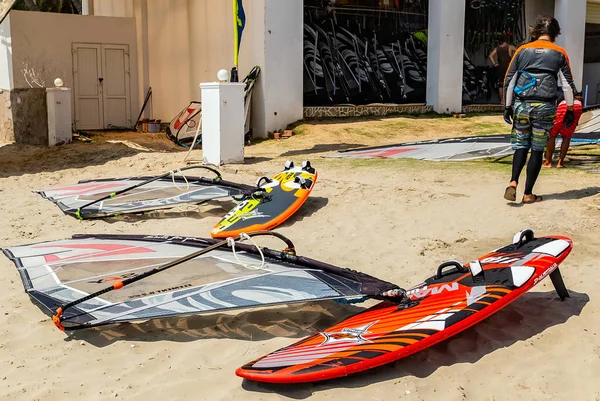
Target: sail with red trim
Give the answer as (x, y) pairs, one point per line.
(56, 273)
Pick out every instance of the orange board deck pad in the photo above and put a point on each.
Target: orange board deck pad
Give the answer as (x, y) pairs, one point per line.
(452, 300)
(280, 197)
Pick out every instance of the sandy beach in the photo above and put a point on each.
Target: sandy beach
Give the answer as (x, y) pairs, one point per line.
(394, 219)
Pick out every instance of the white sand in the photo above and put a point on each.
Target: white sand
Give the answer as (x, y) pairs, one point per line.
(394, 219)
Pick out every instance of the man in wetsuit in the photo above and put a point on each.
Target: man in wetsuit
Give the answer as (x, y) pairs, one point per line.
(504, 52)
(532, 82)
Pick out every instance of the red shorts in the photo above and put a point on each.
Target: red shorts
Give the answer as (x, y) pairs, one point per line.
(559, 127)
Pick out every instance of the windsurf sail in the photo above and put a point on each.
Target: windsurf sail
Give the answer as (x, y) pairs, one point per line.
(264, 206)
(94, 280)
(183, 128)
(114, 196)
(590, 121)
(452, 149)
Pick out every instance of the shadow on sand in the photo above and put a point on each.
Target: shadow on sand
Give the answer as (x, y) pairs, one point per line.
(575, 194)
(293, 321)
(310, 206)
(17, 159)
(572, 194)
(525, 318)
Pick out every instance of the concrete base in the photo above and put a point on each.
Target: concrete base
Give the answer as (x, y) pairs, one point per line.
(24, 116)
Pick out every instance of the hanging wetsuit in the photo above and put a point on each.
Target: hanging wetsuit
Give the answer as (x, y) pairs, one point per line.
(532, 83)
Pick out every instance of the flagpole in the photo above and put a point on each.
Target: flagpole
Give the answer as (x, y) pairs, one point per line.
(236, 44)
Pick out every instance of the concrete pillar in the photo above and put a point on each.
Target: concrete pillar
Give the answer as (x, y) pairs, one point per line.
(222, 122)
(571, 17)
(60, 129)
(281, 81)
(445, 55)
(87, 7)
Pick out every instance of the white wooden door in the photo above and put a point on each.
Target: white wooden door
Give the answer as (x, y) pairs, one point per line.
(87, 74)
(115, 86)
(101, 79)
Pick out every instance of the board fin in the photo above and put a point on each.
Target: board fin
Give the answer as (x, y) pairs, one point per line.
(559, 285)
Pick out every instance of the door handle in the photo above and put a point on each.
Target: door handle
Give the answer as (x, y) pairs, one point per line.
(101, 80)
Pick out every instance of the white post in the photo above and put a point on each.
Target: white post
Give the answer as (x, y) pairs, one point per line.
(86, 7)
(281, 79)
(222, 122)
(445, 55)
(571, 17)
(60, 130)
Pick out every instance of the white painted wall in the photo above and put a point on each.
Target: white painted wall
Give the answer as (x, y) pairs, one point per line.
(186, 42)
(571, 17)
(445, 55)
(182, 43)
(6, 64)
(44, 41)
(591, 78)
(114, 8)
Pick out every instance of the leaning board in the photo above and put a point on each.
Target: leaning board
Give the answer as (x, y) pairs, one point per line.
(282, 197)
(444, 305)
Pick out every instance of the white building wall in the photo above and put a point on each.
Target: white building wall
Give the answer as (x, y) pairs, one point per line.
(186, 42)
(6, 64)
(114, 8)
(182, 43)
(44, 41)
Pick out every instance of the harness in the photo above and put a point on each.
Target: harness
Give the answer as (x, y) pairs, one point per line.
(532, 82)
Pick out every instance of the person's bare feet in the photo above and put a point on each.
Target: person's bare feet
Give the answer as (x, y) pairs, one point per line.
(560, 165)
(547, 164)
